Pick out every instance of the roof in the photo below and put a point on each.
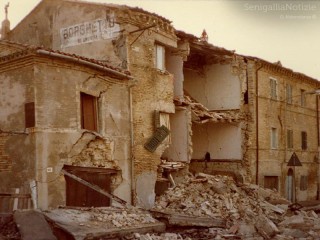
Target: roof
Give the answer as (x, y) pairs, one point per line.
(201, 114)
(278, 67)
(23, 50)
(203, 44)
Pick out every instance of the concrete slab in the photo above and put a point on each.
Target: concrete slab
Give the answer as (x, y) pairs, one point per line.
(80, 224)
(33, 225)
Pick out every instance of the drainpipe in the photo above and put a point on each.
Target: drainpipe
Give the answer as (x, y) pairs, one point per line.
(318, 122)
(257, 125)
(133, 185)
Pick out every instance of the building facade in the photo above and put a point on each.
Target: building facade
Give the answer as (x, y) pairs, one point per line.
(61, 110)
(161, 94)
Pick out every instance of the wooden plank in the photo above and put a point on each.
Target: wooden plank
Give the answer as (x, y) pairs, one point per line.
(94, 187)
(185, 221)
(14, 195)
(188, 220)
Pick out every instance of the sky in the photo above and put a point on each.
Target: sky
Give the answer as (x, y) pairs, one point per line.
(286, 31)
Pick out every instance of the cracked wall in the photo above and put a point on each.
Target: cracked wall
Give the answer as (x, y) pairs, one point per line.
(17, 149)
(39, 153)
(221, 86)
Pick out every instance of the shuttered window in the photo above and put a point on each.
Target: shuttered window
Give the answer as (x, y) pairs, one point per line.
(303, 97)
(29, 111)
(271, 182)
(289, 138)
(289, 93)
(304, 143)
(88, 112)
(273, 88)
(274, 138)
(303, 183)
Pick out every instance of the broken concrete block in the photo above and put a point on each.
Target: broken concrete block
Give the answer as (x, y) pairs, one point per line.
(247, 230)
(296, 233)
(312, 214)
(293, 220)
(33, 226)
(266, 227)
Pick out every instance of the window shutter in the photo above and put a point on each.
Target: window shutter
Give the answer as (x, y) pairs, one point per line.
(157, 138)
(304, 143)
(88, 112)
(30, 119)
(156, 119)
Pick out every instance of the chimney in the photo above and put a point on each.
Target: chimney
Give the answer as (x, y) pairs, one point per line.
(204, 36)
(5, 27)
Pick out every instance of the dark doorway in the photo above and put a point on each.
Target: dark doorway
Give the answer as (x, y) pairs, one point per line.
(271, 182)
(290, 185)
(79, 195)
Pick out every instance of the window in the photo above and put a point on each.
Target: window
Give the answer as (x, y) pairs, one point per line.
(303, 183)
(273, 88)
(289, 93)
(160, 57)
(304, 143)
(289, 138)
(271, 182)
(88, 112)
(29, 111)
(274, 138)
(303, 97)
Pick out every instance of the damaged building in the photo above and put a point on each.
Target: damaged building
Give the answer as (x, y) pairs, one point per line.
(57, 113)
(117, 97)
(251, 119)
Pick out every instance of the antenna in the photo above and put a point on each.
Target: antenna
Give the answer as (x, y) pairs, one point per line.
(6, 10)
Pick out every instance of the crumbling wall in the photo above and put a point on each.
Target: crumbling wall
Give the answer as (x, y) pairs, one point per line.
(60, 137)
(217, 87)
(16, 145)
(154, 91)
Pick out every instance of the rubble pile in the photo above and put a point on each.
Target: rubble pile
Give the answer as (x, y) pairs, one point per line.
(250, 212)
(218, 196)
(8, 228)
(126, 218)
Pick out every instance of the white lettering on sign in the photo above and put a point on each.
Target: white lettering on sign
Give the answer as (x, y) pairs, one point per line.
(95, 30)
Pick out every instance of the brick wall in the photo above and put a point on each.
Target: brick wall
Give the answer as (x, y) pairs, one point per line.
(5, 161)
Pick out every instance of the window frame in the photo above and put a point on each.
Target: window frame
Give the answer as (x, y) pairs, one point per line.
(273, 88)
(160, 57)
(30, 114)
(94, 112)
(274, 138)
(303, 182)
(303, 99)
(289, 93)
(304, 140)
(290, 138)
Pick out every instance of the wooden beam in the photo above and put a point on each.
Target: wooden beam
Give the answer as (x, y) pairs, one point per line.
(94, 187)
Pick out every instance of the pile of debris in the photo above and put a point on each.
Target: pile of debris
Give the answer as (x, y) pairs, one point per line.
(8, 228)
(229, 210)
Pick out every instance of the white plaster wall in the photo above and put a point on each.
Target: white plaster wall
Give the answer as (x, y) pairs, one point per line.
(217, 87)
(223, 141)
(178, 149)
(174, 65)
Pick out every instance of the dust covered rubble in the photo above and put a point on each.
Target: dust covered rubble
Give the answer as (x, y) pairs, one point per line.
(250, 212)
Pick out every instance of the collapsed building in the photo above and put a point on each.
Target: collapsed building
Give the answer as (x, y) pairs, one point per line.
(115, 96)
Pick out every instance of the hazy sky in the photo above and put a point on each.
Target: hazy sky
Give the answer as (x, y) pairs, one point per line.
(272, 30)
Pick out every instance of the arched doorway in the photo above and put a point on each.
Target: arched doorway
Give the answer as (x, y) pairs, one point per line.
(290, 185)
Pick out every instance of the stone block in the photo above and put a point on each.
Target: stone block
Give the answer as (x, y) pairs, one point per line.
(266, 227)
